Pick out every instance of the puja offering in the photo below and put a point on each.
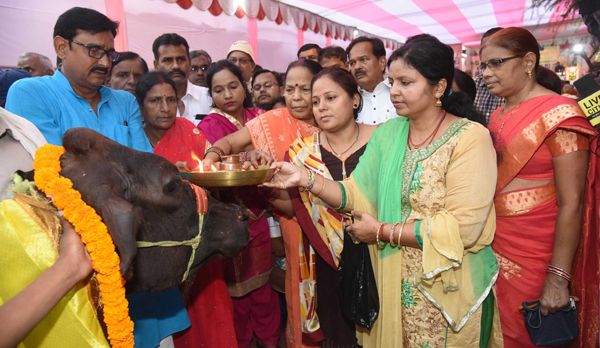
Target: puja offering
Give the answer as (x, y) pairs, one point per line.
(229, 173)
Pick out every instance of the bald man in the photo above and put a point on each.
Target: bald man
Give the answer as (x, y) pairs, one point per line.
(36, 64)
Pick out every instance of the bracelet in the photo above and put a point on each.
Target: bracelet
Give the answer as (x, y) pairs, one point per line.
(400, 235)
(270, 194)
(309, 174)
(392, 234)
(322, 187)
(343, 189)
(274, 196)
(243, 156)
(381, 226)
(559, 272)
(219, 151)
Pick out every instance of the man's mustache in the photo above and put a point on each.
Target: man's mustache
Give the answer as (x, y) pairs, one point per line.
(176, 71)
(99, 68)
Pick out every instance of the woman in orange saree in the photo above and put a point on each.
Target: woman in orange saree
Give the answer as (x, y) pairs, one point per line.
(542, 141)
(273, 132)
(206, 298)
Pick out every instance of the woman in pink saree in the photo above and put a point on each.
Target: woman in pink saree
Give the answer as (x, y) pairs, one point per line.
(256, 304)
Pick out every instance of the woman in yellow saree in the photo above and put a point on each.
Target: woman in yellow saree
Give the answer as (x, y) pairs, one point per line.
(430, 204)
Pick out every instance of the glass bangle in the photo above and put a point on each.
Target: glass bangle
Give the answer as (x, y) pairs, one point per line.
(343, 189)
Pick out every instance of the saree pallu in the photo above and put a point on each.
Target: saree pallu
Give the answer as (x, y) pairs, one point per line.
(526, 219)
(273, 132)
(321, 237)
(206, 299)
(250, 269)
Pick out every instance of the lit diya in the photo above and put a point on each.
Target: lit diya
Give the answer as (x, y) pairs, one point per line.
(229, 173)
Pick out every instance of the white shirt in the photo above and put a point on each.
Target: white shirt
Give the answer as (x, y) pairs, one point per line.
(377, 106)
(197, 101)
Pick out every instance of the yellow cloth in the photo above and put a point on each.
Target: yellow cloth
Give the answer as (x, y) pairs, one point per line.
(428, 296)
(26, 251)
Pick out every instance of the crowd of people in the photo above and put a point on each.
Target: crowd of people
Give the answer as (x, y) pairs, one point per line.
(470, 196)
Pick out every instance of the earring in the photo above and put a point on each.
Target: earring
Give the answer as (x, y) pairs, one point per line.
(529, 73)
(438, 102)
(355, 106)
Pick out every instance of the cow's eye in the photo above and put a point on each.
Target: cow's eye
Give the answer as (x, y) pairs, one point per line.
(172, 187)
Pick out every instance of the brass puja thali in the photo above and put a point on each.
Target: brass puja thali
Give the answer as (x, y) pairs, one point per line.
(229, 174)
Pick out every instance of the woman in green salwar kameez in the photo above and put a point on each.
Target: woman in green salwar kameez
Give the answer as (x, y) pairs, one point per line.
(422, 196)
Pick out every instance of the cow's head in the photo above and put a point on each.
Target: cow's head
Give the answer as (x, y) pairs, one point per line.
(141, 197)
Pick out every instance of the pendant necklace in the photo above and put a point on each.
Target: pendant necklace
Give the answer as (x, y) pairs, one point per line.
(339, 155)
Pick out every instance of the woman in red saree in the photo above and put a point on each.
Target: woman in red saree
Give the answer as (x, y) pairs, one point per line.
(273, 132)
(542, 141)
(207, 301)
(255, 303)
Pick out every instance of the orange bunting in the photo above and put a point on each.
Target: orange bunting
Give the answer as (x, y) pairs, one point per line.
(96, 238)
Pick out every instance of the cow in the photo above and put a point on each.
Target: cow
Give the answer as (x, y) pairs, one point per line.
(142, 197)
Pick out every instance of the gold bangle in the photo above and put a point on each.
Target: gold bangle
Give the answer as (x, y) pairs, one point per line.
(219, 151)
(322, 187)
(399, 245)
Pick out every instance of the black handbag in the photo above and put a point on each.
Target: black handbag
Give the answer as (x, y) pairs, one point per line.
(555, 329)
(357, 290)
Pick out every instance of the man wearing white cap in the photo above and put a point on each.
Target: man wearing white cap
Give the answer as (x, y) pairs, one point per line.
(241, 54)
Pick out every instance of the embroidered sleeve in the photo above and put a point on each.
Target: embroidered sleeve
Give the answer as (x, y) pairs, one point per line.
(565, 141)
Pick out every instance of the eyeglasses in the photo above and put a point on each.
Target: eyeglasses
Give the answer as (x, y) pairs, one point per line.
(201, 67)
(494, 64)
(98, 52)
(267, 85)
(242, 61)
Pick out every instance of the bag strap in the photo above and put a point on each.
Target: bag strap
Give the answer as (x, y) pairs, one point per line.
(532, 311)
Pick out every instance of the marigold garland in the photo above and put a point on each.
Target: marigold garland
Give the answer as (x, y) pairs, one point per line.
(95, 235)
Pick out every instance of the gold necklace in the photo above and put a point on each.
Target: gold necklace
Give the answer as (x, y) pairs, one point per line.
(514, 109)
(339, 155)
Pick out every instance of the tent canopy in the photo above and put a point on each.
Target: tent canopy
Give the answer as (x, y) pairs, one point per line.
(452, 21)
(276, 28)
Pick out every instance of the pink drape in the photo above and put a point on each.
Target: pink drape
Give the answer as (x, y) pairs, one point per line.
(253, 37)
(116, 12)
(300, 38)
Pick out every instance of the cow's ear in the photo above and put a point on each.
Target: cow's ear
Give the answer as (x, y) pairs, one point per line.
(123, 221)
(80, 141)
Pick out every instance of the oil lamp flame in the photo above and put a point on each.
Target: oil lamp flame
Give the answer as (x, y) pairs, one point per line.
(212, 167)
(199, 161)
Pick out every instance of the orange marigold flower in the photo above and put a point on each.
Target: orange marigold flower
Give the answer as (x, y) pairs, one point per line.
(96, 238)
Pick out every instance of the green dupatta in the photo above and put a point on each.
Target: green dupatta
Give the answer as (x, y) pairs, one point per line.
(383, 160)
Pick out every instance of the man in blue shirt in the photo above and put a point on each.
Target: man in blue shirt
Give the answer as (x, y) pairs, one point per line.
(75, 96)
